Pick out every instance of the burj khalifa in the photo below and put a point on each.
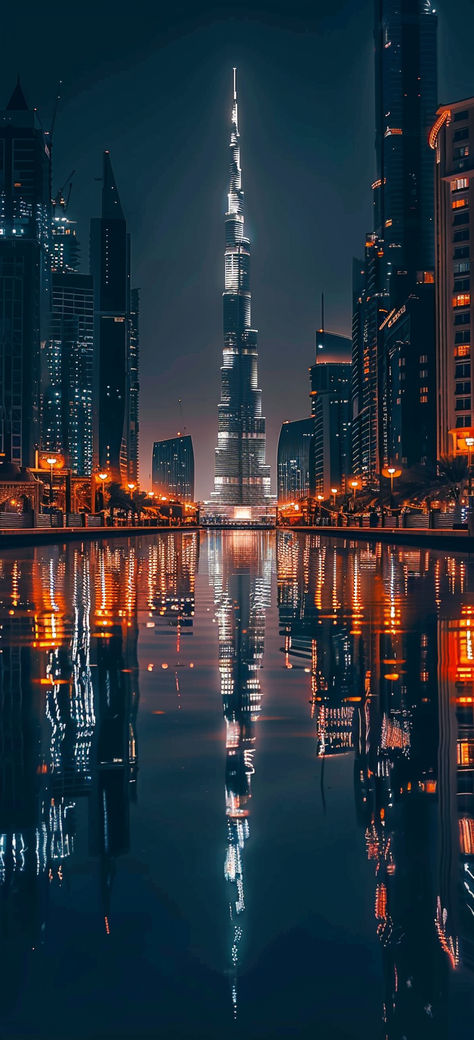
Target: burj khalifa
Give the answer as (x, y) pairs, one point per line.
(241, 476)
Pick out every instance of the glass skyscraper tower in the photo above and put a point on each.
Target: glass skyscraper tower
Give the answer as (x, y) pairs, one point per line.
(241, 476)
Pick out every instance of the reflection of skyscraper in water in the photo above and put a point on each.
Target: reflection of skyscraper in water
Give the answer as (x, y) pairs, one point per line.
(366, 634)
(56, 712)
(114, 749)
(312, 598)
(455, 902)
(241, 578)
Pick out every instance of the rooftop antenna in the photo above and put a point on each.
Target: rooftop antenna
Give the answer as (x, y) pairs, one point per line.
(180, 406)
(235, 83)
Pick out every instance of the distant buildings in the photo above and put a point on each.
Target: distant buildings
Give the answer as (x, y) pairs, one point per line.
(25, 242)
(330, 406)
(295, 460)
(241, 475)
(452, 139)
(173, 468)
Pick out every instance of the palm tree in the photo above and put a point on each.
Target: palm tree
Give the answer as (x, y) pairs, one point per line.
(118, 499)
(140, 501)
(454, 471)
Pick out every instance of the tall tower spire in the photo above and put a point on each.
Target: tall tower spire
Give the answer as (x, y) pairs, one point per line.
(241, 476)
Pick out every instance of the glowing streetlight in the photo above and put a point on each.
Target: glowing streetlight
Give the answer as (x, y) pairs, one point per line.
(354, 484)
(131, 486)
(334, 493)
(391, 472)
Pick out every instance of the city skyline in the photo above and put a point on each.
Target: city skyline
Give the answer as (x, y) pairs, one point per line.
(279, 102)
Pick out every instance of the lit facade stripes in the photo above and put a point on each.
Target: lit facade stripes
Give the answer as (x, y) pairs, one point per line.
(453, 142)
(241, 475)
(295, 460)
(330, 405)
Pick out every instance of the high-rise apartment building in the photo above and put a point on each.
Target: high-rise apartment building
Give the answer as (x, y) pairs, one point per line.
(398, 268)
(25, 232)
(173, 468)
(330, 405)
(295, 463)
(241, 475)
(67, 403)
(452, 138)
(116, 360)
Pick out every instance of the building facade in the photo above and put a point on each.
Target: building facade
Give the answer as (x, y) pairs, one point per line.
(25, 226)
(110, 269)
(330, 404)
(452, 140)
(398, 268)
(67, 418)
(173, 468)
(295, 464)
(241, 475)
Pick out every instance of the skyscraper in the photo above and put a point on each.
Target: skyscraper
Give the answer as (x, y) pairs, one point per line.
(25, 223)
(67, 406)
(391, 422)
(132, 418)
(110, 269)
(241, 476)
(173, 468)
(330, 404)
(451, 137)
(295, 465)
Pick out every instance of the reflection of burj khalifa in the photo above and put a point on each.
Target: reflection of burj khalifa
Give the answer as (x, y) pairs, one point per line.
(241, 579)
(241, 476)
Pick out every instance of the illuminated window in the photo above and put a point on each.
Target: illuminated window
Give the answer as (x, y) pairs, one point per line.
(462, 350)
(460, 184)
(462, 300)
(465, 752)
(423, 399)
(459, 203)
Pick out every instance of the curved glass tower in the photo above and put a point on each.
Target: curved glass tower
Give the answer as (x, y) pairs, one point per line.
(241, 476)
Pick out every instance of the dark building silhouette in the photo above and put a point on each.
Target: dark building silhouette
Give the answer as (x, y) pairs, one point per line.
(173, 468)
(330, 404)
(132, 431)
(397, 274)
(115, 360)
(25, 226)
(295, 460)
(241, 476)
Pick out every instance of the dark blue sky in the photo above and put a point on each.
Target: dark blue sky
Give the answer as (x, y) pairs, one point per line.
(153, 85)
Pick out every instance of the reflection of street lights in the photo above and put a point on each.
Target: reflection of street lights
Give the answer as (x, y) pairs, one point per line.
(51, 460)
(469, 446)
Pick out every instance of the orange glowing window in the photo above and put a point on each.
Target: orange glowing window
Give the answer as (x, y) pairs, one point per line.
(462, 299)
(459, 203)
(462, 350)
(459, 184)
(465, 753)
(466, 835)
(389, 222)
(428, 277)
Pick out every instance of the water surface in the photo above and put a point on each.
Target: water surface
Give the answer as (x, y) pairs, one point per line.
(236, 789)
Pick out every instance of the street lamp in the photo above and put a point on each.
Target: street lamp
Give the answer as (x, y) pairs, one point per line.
(51, 460)
(391, 472)
(103, 476)
(354, 484)
(334, 493)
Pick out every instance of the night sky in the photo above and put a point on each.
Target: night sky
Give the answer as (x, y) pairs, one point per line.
(153, 84)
